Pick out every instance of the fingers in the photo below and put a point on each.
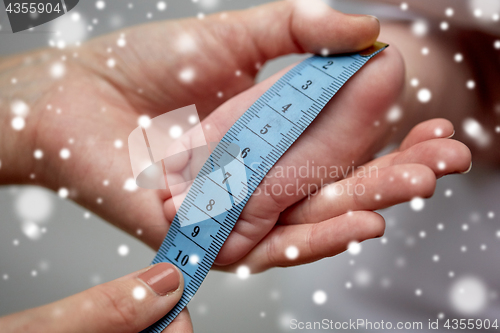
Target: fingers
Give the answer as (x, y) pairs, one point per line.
(430, 129)
(378, 189)
(129, 304)
(301, 26)
(391, 179)
(300, 244)
(181, 323)
(443, 156)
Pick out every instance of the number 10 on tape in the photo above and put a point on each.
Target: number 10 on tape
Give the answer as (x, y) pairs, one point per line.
(241, 160)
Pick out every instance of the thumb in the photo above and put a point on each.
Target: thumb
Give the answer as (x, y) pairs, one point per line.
(299, 26)
(128, 304)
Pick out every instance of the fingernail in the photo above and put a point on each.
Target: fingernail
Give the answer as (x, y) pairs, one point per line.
(468, 170)
(371, 17)
(452, 134)
(163, 278)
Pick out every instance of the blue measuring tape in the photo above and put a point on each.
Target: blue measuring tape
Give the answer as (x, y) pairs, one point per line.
(241, 160)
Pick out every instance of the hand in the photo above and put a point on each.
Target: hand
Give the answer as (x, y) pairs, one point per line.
(99, 105)
(128, 304)
(324, 223)
(93, 105)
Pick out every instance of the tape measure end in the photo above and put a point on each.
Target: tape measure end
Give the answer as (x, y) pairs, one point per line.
(372, 49)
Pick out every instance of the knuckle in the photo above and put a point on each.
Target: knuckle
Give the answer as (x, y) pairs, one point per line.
(310, 239)
(120, 311)
(272, 249)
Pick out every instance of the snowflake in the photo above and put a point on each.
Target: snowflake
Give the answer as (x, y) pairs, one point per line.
(175, 131)
(75, 16)
(18, 123)
(139, 293)
(130, 185)
(100, 5)
(118, 143)
(65, 153)
(144, 121)
(111, 62)
(243, 272)
(123, 250)
(292, 252)
(420, 28)
(476, 131)
(161, 6)
(187, 75)
(63, 192)
(394, 114)
(19, 108)
(424, 95)
(417, 204)
(121, 42)
(319, 297)
(354, 248)
(469, 295)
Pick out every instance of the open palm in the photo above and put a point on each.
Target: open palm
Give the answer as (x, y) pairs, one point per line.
(212, 63)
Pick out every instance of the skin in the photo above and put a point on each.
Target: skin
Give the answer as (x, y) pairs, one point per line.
(99, 105)
(446, 79)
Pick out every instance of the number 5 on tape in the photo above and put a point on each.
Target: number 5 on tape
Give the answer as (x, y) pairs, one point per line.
(240, 161)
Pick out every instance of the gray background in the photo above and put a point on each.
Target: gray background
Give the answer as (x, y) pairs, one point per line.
(76, 252)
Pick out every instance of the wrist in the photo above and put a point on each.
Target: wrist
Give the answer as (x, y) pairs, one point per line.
(23, 87)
